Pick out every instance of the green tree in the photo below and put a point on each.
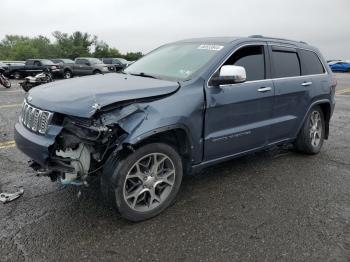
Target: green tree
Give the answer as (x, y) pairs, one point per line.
(131, 56)
(102, 49)
(74, 45)
(15, 47)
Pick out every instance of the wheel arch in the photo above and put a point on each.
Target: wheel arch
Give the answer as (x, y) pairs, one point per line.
(326, 108)
(176, 135)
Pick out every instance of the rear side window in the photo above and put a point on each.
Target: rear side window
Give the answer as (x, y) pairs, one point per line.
(311, 64)
(252, 59)
(81, 61)
(107, 60)
(286, 64)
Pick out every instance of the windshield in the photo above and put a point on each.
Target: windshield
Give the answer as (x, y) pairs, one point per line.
(178, 61)
(122, 60)
(46, 62)
(95, 61)
(67, 61)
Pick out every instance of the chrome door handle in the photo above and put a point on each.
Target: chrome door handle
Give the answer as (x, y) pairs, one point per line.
(306, 84)
(264, 89)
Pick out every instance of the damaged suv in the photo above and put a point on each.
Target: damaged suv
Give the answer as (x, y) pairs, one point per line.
(182, 107)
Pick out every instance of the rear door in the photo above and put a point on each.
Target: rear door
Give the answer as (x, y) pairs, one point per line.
(238, 116)
(291, 92)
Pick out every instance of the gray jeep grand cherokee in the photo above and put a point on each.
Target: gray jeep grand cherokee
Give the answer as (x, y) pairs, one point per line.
(183, 107)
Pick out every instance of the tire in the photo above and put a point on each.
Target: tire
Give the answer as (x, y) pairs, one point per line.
(26, 88)
(97, 72)
(67, 74)
(5, 82)
(17, 75)
(311, 136)
(131, 191)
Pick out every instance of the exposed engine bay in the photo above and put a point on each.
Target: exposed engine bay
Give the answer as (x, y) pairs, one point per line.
(83, 146)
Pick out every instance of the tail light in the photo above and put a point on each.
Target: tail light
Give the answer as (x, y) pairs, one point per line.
(334, 82)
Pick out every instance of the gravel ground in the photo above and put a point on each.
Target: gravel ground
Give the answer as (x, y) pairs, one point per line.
(275, 205)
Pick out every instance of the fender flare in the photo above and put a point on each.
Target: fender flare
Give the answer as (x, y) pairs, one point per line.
(130, 140)
(317, 102)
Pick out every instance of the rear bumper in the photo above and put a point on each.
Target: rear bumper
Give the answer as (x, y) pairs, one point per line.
(35, 146)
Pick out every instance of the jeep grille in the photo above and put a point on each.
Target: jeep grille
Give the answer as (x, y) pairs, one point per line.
(35, 119)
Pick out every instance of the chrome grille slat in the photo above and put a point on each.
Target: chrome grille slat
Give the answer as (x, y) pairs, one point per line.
(35, 119)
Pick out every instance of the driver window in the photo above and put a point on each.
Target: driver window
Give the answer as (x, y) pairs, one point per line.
(252, 59)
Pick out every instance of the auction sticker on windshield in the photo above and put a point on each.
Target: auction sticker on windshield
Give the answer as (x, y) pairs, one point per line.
(211, 47)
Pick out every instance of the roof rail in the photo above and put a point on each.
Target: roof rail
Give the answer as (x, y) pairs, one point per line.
(275, 38)
(256, 36)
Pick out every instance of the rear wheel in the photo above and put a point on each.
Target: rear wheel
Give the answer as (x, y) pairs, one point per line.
(97, 72)
(311, 136)
(17, 75)
(145, 182)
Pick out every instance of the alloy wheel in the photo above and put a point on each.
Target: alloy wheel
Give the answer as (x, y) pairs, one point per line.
(315, 128)
(149, 182)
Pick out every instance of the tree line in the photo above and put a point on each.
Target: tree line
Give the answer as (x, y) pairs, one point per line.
(77, 44)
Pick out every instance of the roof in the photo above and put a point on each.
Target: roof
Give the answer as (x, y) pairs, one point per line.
(235, 38)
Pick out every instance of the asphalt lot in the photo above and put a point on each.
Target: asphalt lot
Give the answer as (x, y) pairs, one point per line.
(276, 205)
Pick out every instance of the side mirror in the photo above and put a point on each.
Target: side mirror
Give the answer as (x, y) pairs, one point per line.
(229, 74)
(87, 63)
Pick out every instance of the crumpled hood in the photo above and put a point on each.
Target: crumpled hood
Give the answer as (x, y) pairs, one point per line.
(82, 96)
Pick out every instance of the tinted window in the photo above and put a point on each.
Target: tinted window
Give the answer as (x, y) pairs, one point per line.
(107, 60)
(286, 64)
(311, 63)
(252, 59)
(81, 61)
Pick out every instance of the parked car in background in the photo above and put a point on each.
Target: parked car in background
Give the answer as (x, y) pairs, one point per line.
(33, 67)
(183, 107)
(118, 63)
(90, 66)
(329, 62)
(14, 69)
(341, 66)
(66, 67)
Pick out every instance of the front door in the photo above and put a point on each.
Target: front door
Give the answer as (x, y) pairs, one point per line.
(238, 116)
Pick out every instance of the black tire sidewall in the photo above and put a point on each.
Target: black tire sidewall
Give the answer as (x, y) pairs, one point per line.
(305, 139)
(67, 72)
(17, 75)
(7, 83)
(120, 169)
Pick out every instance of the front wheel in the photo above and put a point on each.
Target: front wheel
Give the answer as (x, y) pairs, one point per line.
(311, 136)
(67, 74)
(145, 182)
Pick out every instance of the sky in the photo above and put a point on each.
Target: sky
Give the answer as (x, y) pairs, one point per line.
(141, 25)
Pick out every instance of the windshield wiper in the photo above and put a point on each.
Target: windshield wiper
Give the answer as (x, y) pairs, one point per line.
(143, 75)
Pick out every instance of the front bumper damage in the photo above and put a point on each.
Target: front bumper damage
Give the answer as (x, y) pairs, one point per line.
(75, 148)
